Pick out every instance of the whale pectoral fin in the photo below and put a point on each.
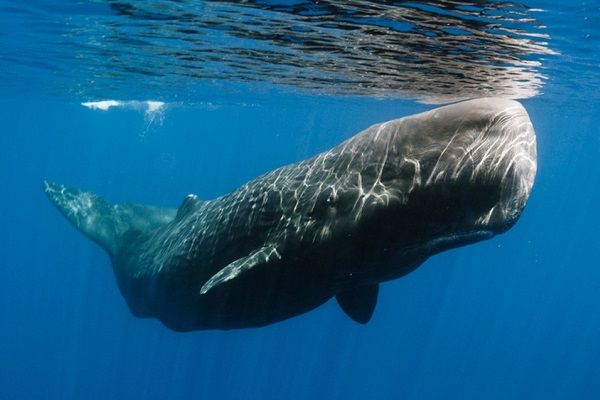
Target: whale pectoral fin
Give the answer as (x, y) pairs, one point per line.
(359, 303)
(261, 256)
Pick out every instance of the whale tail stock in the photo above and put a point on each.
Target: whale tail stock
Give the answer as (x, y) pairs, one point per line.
(103, 222)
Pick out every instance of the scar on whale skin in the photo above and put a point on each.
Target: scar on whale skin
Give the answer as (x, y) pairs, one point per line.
(338, 224)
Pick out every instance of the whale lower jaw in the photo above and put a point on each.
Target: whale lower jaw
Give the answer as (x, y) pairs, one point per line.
(456, 239)
(450, 241)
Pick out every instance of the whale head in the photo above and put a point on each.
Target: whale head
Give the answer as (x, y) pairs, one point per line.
(445, 178)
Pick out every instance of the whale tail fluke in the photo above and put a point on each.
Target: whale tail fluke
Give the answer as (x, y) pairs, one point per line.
(104, 223)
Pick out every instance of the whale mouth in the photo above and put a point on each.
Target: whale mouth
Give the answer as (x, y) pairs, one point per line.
(456, 239)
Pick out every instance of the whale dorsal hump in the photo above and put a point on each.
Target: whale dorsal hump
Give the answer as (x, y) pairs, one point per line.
(189, 205)
(261, 256)
(359, 302)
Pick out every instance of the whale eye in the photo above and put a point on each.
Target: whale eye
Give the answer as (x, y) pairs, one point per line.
(326, 200)
(332, 199)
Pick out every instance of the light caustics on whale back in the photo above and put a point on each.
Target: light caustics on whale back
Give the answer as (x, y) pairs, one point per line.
(369, 210)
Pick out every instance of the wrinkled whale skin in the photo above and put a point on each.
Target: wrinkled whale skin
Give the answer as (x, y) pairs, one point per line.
(370, 210)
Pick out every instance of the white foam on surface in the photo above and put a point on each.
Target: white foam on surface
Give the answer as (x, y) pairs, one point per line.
(101, 105)
(153, 110)
(149, 107)
(154, 106)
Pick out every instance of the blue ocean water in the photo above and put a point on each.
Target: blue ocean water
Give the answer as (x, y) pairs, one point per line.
(247, 89)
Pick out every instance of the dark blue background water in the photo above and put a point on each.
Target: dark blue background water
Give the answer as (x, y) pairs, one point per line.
(516, 317)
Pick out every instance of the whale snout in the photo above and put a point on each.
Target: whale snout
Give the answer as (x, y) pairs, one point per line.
(509, 160)
(478, 163)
